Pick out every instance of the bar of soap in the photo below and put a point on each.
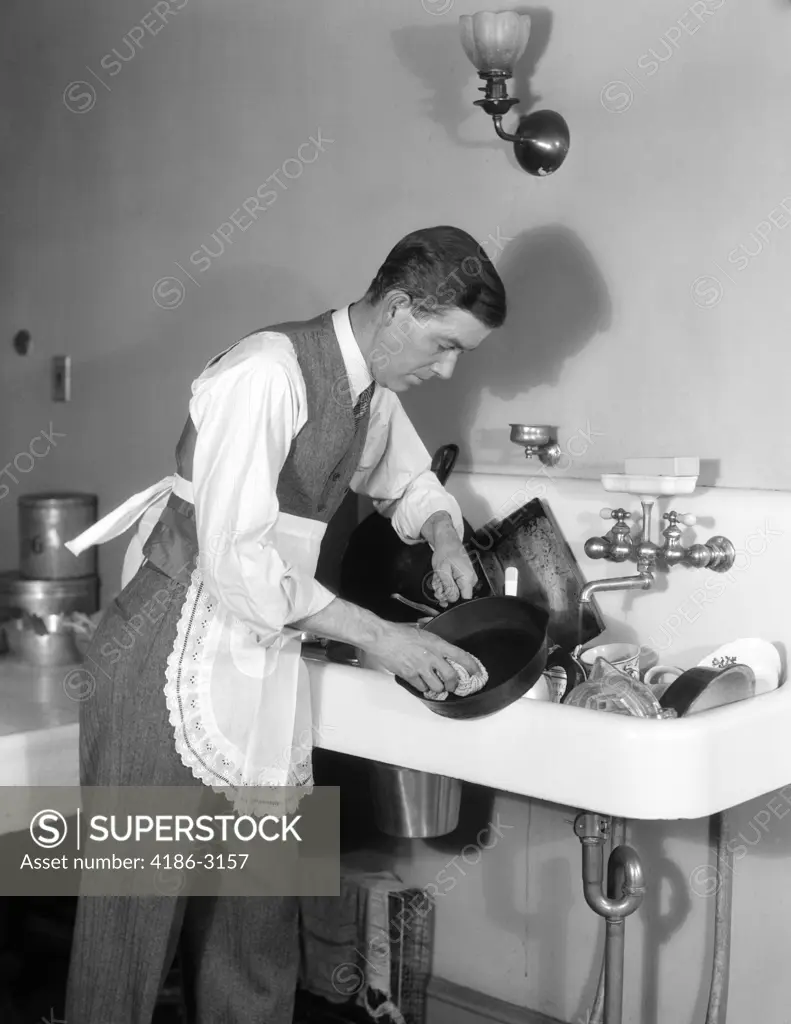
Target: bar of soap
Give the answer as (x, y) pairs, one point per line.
(667, 466)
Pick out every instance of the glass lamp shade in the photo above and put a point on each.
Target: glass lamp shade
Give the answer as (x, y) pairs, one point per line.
(492, 41)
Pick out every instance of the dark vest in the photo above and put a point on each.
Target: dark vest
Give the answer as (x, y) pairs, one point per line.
(323, 458)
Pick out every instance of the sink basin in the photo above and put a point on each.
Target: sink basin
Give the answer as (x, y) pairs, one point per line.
(629, 767)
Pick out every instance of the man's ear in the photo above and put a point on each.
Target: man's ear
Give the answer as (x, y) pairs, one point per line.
(395, 302)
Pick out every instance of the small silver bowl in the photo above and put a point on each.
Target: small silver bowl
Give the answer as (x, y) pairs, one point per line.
(534, 437)
(540, 441)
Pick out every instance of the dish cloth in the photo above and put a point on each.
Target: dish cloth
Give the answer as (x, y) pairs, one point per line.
(467, 684)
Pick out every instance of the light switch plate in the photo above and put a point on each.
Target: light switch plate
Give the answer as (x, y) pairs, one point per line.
(61, 378)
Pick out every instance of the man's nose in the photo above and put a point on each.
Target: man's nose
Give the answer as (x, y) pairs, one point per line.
(445, 366)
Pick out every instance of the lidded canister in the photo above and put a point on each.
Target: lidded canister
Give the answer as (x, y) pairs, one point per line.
(46, 522)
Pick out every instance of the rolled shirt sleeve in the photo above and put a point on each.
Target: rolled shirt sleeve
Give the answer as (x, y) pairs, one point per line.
(246, 418)
(395, 472)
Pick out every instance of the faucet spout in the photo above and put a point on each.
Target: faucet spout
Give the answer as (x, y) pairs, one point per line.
(641, 582)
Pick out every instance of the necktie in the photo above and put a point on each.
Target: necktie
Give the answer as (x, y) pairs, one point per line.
(364, 401)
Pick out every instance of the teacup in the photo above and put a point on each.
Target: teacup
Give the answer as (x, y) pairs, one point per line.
(541, 690)
(624, 657)
(660, 677)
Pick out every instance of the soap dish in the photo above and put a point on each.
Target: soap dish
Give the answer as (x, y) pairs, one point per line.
(621, 483)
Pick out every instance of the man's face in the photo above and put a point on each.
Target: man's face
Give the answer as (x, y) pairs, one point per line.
(410, 349)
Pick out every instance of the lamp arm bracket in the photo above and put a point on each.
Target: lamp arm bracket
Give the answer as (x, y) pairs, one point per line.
(498, 127)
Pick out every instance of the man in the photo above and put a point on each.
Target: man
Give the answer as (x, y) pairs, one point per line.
(214, 691)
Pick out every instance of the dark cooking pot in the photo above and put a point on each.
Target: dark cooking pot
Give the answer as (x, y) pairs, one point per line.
(705, 687)
(507, 634)
(377, 563)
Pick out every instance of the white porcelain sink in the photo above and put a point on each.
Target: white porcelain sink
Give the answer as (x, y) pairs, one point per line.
(635, 768)
(629, 767)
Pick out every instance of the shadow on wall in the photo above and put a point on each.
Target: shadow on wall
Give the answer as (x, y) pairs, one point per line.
(478, 818)
(435, 56)
(558, 301)
(548, 928)
(666, 906)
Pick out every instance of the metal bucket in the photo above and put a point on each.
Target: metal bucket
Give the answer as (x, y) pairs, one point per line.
(414, 805)
(46, 522)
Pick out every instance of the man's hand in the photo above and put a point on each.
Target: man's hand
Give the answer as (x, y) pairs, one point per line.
(420, 658)
(454, 575)
(417, 656)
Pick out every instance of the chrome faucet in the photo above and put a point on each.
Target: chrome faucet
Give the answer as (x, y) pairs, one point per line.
(617, 546)
(718, 554)
(673, 551)
(641, 582)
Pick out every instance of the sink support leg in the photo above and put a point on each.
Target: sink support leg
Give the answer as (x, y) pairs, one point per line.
(625, 891)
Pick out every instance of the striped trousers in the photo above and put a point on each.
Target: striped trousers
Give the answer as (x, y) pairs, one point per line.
(239, 955)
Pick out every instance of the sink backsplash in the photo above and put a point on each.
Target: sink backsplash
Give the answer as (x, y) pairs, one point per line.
(687, 612)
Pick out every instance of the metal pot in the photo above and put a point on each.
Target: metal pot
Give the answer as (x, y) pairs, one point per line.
(409, 804)
(46, 522)
(45, 649)
(705, 687)
(48, 597)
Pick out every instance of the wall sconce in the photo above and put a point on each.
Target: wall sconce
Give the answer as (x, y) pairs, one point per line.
(494, 43)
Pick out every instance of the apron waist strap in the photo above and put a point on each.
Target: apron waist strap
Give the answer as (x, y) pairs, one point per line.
(127, 514)
(172, 545)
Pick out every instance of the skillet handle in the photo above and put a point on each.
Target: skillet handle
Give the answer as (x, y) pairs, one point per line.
(558, 658)
(444, 460)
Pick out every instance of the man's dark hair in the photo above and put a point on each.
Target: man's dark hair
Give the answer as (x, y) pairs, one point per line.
(439, 268)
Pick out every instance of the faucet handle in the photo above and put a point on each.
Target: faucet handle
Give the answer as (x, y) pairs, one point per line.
(618, 513)
(680, 517)
(597, 547)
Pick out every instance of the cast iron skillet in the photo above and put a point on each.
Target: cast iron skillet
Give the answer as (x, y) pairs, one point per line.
(377, 563)
(509, 635)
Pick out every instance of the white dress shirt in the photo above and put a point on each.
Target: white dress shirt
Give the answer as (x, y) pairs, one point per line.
(247, 409)
(247, 720)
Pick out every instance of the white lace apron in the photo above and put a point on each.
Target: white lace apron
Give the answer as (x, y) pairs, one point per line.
(240, 709)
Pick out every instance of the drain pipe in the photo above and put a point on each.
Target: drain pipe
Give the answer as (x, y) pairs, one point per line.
(626, 889)
(617, 837)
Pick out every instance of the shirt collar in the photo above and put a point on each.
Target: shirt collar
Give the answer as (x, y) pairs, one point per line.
(356, 368)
